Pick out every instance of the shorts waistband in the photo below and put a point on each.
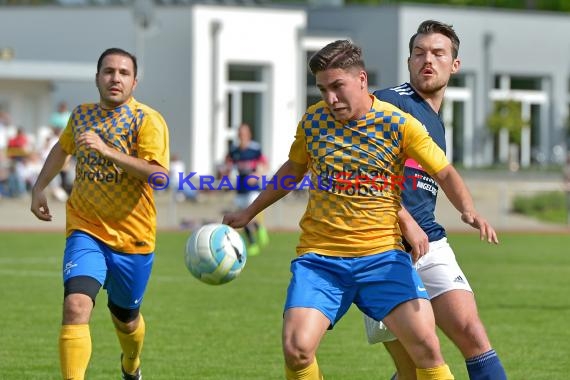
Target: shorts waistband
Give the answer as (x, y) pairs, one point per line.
(438, 243)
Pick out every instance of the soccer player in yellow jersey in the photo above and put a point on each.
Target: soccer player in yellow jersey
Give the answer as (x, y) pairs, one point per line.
(353, 148)
(119, 145)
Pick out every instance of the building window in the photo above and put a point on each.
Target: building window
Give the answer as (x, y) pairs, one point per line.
(526, 83)
(513, 82)
(242, 73)
(457, 80)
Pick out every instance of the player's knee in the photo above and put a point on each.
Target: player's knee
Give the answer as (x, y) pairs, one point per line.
(296, 356)
(468, 326)
(77, 309)
(471, 339)
(425, 352)
(126, 316)
(431, 344)
(79, 298)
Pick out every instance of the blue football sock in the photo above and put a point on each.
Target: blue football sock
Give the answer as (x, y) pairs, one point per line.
(486, 366)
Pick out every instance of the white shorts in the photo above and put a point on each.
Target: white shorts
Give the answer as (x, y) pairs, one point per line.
(241, 201)
(440, 274)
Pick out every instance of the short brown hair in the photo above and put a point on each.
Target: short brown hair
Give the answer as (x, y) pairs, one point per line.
(340, 54)
(432, 26)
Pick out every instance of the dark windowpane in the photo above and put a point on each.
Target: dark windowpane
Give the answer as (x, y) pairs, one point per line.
(497, 81)
(457, 80)
(525, 83)
(312, 99)
(244, 73)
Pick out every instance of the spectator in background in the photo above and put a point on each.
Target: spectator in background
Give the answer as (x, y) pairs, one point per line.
(16, 184)
(567, 185)
(4, 131)
(19, 145)
(59, 118)
(4, 161)
(3, 180)
(56, 185)
(183, 193)
(58, 121)
(31, 168)
(12, 183)
(247, 160)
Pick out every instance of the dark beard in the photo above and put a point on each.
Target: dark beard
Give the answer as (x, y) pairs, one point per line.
(429, 88)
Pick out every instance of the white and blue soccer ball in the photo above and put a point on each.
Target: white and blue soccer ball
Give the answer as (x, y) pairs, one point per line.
(215, 253)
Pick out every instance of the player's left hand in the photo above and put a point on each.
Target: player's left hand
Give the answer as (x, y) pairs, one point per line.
(91, 140)
(236, 219)
(486, 231)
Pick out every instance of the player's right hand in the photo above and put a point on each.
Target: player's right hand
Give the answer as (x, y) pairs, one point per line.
(486, 231)
(416, 238)
(40, 207)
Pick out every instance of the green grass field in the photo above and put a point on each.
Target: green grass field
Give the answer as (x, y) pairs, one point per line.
(197, 331)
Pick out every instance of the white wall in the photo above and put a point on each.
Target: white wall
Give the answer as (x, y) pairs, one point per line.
(178, 79)
(249, 36)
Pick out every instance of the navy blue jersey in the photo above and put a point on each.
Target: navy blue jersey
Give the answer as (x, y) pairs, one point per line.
(419, 199)
(246, 162)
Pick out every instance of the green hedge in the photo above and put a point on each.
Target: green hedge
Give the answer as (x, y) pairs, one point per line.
(547, 206)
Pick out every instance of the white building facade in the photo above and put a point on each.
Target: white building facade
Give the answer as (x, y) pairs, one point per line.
(207, 68)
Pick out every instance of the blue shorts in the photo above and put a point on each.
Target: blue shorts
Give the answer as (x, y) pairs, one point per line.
(375, 283)
(125, 276)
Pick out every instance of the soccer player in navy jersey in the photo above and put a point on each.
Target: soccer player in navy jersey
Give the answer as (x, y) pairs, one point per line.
(249, 162)
(433, 59)
(350, 250)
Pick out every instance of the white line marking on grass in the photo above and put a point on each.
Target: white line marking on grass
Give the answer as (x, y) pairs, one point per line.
(167, 278)
(25, 272)
(30, 260)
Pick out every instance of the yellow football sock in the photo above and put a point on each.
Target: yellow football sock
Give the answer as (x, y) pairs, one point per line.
(74, 351)
(436, 373)
(312, 372)
(131, 344)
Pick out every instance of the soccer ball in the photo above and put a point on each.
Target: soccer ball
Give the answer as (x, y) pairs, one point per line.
(215, 254)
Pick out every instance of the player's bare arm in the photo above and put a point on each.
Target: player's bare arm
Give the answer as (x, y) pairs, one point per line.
(458, 194)
(132, 165)
(53, 165)
(413, 234)
(291, 170)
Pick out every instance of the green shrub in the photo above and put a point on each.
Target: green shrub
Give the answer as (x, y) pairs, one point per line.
(547, 206)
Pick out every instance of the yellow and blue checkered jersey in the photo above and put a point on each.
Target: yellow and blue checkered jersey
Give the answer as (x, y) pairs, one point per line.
(355, 177)
(106, 201)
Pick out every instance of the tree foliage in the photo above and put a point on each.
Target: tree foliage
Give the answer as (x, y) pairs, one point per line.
(507, 115)
(544, 5)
